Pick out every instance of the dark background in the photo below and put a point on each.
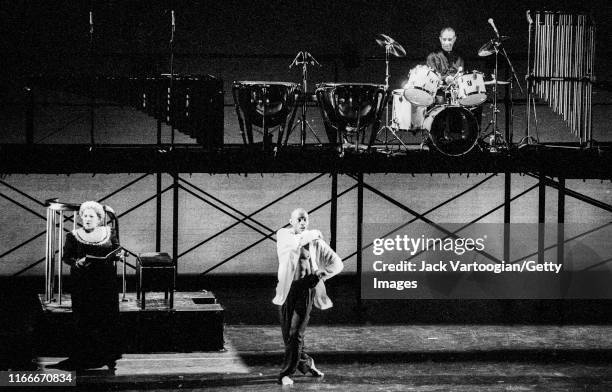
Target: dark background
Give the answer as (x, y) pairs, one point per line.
(133, 36)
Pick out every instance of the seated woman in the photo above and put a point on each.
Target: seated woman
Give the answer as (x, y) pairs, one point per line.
(95, 302)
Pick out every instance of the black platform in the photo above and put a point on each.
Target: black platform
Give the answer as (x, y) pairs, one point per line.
(565, 161)
(194, 324)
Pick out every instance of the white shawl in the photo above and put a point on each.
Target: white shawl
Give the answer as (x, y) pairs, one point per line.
(321, 255)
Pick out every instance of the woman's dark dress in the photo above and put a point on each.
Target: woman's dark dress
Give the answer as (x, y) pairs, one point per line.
(95, 302)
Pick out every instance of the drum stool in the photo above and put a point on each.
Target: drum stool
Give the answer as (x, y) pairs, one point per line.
(153, 268)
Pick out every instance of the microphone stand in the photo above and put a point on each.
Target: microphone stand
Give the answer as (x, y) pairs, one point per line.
(509, 130)
(528, 139)
(170, 102)
(497, 140)
(387, 128)
(92, 98)
(307, 59)
(505, 54)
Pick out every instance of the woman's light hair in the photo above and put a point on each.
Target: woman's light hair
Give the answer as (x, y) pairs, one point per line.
(92, 205)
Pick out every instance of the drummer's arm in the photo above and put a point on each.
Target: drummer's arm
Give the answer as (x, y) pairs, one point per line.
(460, 64)
(432, 62)
(454, 71)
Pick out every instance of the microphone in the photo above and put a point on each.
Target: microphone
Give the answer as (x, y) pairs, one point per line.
(529, 17)
(493, 25)
(172, 30)
(313, 60)
(295, 60)
(91, 25)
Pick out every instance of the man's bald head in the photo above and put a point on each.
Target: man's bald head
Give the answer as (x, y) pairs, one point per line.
(447, 38)
(299, 220)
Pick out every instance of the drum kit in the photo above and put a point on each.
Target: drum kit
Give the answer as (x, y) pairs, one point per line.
(349, 109)
(450, 125)
(448, 122)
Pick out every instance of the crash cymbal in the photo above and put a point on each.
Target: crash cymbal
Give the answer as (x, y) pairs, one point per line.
(394, 47)
(489, 48)
(500, 82)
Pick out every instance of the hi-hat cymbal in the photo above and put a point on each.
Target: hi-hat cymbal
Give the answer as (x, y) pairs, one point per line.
(394, 47)
(489, 48)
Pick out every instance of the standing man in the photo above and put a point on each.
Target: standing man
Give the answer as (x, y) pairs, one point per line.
(305, 261)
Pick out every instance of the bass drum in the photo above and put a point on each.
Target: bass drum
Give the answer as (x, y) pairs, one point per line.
(405, 115)
(453, 130)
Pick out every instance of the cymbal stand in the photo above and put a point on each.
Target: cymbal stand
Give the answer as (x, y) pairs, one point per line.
(528, 139)
(307, 59)
(387, 128)
(92, 83)
(497, 138)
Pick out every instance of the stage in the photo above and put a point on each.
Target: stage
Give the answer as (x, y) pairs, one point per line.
(386, 358)
(380, 354)
(194, 323)
(203, 125)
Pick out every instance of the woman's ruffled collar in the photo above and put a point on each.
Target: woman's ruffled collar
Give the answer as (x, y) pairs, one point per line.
(79, 234)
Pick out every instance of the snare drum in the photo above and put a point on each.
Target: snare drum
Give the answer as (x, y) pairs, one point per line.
(422, 85)
(453, 130)
(471, 89)
(405, 116)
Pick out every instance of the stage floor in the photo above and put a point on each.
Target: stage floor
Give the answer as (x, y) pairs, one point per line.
(381, 358)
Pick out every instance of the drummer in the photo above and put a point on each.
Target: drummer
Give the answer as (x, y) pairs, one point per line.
(445, 61)
(448, 63)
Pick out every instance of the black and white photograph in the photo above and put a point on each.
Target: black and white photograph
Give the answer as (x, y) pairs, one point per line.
(306, 195)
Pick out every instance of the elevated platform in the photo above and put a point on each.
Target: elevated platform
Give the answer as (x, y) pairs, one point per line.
(194, 324)
(565, 161)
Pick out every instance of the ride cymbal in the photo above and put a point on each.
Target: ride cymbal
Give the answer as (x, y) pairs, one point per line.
(500, 82)
(489, 48)
(393, 46)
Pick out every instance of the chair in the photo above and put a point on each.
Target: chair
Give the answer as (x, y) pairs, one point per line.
(56, 218)
(155, 269)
